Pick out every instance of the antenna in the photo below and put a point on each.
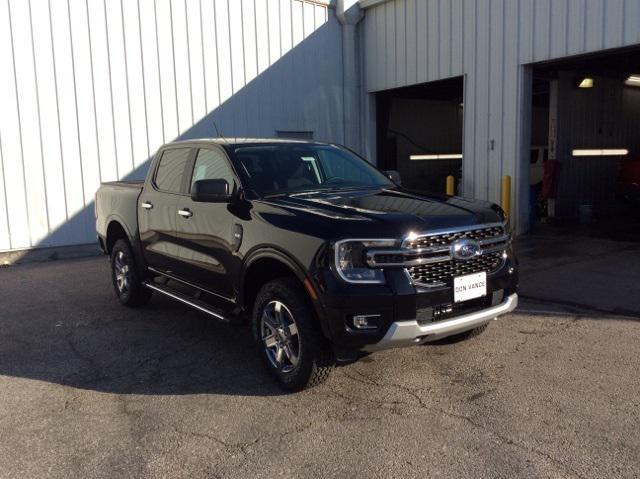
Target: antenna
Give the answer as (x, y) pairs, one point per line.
(218, 131)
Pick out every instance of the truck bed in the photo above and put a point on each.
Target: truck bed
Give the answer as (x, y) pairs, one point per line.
(118, 199)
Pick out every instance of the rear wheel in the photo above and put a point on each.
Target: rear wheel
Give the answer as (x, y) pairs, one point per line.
(125, 276)
(288, 336)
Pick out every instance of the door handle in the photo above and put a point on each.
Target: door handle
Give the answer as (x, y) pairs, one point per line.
(185, 213)
(146, 205)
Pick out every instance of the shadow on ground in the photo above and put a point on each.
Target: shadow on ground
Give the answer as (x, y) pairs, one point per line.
(61, 323)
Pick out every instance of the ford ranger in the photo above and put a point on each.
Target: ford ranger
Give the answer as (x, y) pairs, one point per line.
(325, 256)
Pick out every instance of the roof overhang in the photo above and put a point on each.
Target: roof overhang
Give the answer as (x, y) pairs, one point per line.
(364, 4)
(324, 3)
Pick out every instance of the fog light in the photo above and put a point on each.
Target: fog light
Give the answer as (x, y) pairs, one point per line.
(366, 321)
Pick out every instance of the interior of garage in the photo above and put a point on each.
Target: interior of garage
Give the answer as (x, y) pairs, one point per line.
(585, 145)
(419, 133)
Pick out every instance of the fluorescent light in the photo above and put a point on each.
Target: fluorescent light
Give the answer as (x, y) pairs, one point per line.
(586, 83)
(447, 156)
(633, 80)
(601, 152)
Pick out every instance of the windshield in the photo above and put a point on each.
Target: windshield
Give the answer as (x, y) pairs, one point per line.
(298, 168)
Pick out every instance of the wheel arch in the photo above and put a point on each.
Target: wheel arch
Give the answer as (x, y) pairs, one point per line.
(116, 229)
(266, 264)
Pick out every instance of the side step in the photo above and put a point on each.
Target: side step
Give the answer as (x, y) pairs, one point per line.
(193, 302)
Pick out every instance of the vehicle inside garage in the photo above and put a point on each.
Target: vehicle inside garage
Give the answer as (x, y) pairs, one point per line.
(585, 145)
(419, 133)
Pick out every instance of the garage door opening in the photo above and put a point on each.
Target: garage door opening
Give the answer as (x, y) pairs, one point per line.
(584, 160)
(419, 134)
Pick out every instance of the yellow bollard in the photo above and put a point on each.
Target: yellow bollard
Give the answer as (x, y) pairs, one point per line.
(451, 189)
(506, 195)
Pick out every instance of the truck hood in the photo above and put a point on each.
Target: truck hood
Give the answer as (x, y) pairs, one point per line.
(385, 212)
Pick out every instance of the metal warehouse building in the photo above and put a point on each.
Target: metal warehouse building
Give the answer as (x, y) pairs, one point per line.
(544, 91)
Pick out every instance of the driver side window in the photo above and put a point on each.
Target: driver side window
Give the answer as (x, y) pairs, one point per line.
(212, 165)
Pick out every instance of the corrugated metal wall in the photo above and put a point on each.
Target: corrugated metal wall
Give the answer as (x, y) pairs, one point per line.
(489, 41)
(89, 89)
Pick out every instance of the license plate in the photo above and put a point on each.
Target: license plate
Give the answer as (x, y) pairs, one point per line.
(469, 287)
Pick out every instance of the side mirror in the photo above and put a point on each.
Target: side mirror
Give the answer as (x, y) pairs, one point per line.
(394, 176)
(211, 191)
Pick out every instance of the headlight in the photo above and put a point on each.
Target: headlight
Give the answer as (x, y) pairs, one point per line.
(351, 264)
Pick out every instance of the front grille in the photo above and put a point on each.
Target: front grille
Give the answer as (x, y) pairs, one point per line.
(443, 272)
(445, 239)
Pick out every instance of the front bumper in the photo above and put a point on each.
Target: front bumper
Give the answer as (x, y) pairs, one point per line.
(409, 333)
(401, 304)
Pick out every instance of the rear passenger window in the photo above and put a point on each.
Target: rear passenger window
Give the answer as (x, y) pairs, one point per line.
(171, 169)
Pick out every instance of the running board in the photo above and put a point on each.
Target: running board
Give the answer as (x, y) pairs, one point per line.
(193, 302)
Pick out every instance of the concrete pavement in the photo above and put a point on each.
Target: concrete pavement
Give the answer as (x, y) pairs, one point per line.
(91, 389)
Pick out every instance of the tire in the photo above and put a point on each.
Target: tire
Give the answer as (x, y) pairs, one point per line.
(126, 277)
(283, 321)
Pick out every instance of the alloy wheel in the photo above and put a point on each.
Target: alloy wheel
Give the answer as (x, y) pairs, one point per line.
(280, 336)
(122, 272)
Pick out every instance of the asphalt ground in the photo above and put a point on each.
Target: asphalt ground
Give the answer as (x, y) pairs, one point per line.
(91, 389)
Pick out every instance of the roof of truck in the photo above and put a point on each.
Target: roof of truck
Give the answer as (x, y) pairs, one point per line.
(241, 141)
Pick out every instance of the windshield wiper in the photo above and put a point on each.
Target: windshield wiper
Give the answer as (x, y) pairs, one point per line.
(288, 193)
(311, 192)
(323, 190)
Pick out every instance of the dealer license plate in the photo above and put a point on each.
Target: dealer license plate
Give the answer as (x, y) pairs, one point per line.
(469, 287)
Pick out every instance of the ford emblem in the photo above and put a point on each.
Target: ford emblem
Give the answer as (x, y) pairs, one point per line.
(464, 249)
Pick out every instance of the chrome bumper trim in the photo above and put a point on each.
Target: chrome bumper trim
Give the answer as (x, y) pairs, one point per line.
(410, 333)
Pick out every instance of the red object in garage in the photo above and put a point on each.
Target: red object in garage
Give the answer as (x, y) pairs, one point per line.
(629, 179)
(550, 178)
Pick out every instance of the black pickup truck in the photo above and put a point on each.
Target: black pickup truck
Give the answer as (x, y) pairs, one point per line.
(325, 255)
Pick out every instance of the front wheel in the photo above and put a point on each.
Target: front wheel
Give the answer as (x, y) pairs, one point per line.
(288, 336)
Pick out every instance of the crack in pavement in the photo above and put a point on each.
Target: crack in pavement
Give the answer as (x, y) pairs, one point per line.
(421, 404)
